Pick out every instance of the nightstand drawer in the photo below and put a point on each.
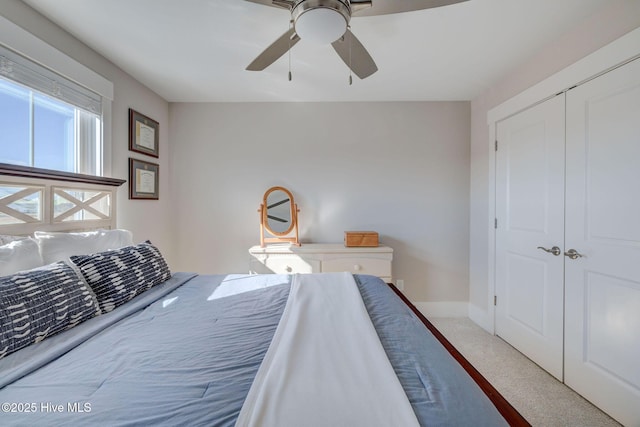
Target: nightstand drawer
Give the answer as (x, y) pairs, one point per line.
(372, 266)
(289, 264)
(321, 258)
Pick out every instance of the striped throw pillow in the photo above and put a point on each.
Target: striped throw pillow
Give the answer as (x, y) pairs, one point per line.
(38, 303)
(119, 275)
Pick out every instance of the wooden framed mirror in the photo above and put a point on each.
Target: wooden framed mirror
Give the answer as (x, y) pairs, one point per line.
(278, 217)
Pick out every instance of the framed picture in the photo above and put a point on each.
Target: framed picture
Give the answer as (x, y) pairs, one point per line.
(143, 180)
(144, 134)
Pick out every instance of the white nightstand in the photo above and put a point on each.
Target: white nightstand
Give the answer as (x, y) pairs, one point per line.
(321, 258)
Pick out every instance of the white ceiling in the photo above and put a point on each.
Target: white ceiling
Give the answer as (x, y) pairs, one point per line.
(197, 50)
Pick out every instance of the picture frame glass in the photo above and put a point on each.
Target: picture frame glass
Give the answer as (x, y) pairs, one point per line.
(144, 134)
(144, 179)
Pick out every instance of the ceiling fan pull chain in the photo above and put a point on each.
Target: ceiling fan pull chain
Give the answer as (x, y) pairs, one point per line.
(290, 75)
(350, 69)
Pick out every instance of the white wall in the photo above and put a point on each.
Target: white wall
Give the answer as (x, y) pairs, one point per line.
(401, 169)
(616, 19)
(146, 219)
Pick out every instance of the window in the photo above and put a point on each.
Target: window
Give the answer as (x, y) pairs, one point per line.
(47, 121)
(55, 113)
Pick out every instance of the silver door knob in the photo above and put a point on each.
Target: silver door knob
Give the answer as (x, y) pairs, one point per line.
(554, 250)
(573, 254)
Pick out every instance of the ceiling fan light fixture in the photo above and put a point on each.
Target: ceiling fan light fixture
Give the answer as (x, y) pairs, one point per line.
(321, 21)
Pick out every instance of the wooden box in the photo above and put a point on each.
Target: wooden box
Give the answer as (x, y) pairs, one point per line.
(360, 239)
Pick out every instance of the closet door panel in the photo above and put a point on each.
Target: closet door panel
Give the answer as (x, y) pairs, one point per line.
(602, 329)
(530, 210)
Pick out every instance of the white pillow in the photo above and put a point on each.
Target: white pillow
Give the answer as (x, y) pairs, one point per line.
(19, 255)
(60, 246)
(5, 238)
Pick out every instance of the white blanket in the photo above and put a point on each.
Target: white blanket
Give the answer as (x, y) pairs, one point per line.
(326, 365)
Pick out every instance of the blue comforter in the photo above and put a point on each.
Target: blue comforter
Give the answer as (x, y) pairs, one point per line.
(186, 353)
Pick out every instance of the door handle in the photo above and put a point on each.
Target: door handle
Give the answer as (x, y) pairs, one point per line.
(573, 254)
(554, 250)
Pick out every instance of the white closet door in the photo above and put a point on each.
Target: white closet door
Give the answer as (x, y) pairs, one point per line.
(530, 211)
(602, 344)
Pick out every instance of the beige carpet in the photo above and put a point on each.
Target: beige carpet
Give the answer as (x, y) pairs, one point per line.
(539, 397)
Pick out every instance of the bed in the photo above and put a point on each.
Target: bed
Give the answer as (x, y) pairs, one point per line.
(180, 348)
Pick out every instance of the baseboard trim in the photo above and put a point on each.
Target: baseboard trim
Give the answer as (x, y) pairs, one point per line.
(481, 318)
(443, 309)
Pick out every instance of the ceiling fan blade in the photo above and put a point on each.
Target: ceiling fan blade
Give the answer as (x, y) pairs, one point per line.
(264, 2)
(275, 51)
(354, 54)
(385, 7)
(285, 4)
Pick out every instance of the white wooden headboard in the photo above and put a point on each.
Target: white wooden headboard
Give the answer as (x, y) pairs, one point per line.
(33, 199)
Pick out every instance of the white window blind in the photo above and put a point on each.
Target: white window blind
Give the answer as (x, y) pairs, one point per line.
(30, 74)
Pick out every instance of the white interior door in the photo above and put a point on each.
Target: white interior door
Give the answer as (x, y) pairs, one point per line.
(602, 344)
(530, 214)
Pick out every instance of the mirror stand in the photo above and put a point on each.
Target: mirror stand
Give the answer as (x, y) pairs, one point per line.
(278, 217)
(292, 239)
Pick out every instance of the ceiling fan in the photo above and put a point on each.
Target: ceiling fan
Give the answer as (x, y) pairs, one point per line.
(327, 22)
